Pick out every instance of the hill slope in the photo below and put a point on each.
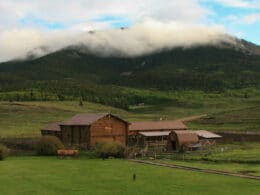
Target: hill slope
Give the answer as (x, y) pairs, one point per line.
(75, 73)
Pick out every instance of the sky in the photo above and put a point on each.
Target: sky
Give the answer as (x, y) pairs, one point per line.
(26, 24)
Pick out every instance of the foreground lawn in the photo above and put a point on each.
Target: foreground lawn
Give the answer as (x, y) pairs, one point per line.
(48, 175)
(250, 169)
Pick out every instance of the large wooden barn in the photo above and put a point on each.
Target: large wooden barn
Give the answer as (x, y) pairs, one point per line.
(86, 130)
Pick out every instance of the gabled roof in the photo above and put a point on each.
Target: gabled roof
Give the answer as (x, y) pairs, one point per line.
(52, 127)
(157, 125)
(87, 119)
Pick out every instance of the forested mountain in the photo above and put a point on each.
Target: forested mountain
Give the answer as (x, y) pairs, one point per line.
(76, 73)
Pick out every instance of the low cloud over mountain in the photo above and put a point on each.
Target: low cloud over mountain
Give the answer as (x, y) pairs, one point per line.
(141, 38)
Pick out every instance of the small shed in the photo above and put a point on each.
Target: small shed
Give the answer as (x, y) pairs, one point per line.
(178, 140)
(207, 138)
(52, 129)
(154, 138)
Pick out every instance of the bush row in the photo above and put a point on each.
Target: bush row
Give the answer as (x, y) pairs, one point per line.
(110, 149)
(48, 145)
(3, 152)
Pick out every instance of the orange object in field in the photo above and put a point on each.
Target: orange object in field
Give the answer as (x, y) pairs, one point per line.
(65, 153)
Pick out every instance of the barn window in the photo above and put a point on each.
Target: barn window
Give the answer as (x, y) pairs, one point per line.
(108, 129)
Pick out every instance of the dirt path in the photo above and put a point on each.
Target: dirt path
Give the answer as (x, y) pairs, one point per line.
(191, 118)
(197, 169)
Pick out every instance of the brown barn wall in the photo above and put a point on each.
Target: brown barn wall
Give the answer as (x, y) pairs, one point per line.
(66, 135)
(75, 135)
(108, 129)
(84, 136)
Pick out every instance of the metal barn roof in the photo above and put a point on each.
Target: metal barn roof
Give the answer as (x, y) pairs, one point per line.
(52, 127)
(207, 134)
(186, 137)
(155, 133)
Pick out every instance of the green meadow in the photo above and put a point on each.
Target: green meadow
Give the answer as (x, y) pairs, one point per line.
(49, 175)
(239, 157)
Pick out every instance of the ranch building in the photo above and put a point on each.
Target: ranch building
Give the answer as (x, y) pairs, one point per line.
(86, 130)
(207, 138)
(190, 140)
(153, 133)
(180, 140)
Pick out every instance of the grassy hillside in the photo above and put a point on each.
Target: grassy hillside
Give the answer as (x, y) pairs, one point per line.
(47, 175)
(247, 119)
(26, 118)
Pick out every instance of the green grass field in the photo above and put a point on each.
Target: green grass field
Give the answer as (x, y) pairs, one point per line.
(49, 175)
(237, 157)
(241, 152)
(247, 119)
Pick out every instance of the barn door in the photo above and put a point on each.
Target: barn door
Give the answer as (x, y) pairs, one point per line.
(75, 136)
(174, 146)
(84, 136)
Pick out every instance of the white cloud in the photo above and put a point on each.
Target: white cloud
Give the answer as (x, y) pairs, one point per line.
(250, 19)
(240, 3)
(24, 23)
(80, 11)
(234, 3)
(244, 19)
(141, 38)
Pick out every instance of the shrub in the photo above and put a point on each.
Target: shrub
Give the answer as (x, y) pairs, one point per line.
(110, 149)
(48, 145)
(3, 152)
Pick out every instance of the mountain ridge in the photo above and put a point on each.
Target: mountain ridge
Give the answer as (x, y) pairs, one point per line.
(77, 73)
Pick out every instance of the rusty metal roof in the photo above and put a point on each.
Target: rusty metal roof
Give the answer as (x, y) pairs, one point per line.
(87, 119)
(206, 134)
(186, 137)
(157, 125)
(155, 133)
(83, 119)
(52, 127)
